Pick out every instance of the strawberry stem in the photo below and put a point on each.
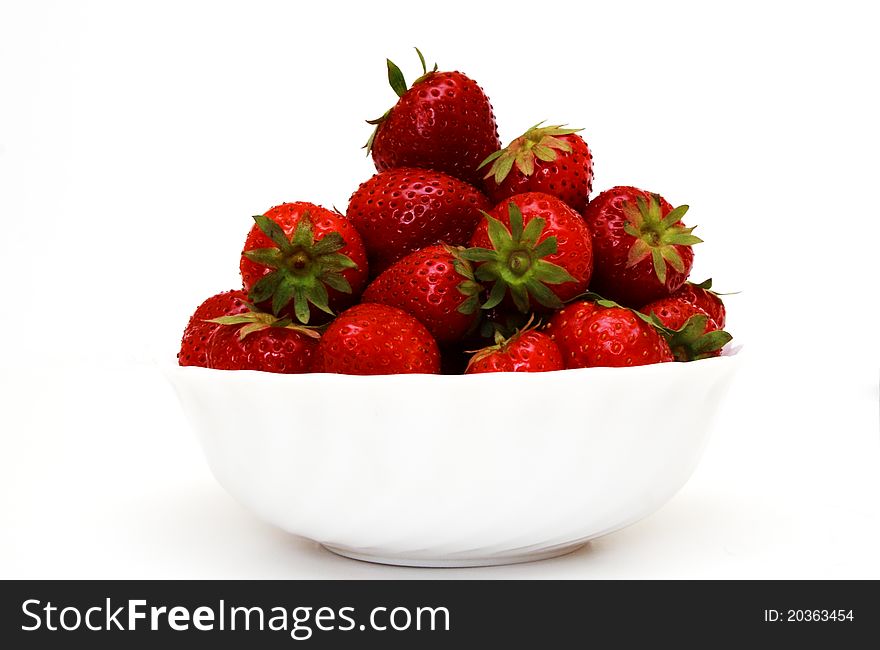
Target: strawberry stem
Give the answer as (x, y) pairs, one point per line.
(398, 84)
(657, 236)
(301, 268)
(515, 263)
(255, 320)
(539, 142)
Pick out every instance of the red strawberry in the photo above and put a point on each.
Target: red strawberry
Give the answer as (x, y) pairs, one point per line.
(549, 159)
(693, 333)
(674, 312)
(198, 329)
(607, 337)
(300, 254)
(436, 286)
(493, 324)
(444, 122)
(259, 341)
(528, 242)
(566, 327)
(703, 297)
(402, 210)
(371, 339)
(642, 249)
(526, 351)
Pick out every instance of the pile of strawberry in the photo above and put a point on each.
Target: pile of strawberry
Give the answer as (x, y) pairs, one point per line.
(460, 256)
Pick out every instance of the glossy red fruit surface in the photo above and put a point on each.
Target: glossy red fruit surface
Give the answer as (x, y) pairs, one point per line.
(372, 339)
(675, 311)
(566, 327)
(198, 330)
(529, 351)
(311, 260)
(705, 299)
(609, 337)
(435, 286)
(553, 160)
(402, 210)
(444, 122)
(273, 349)
(638, 258)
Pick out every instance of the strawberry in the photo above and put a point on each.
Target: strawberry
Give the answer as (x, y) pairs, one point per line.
(703, 297)
(260, 341)
(642, 249)
(436, 286)
(673, 312)
(566, 328)
(501, 322)
(199, 329)
(526, 351)
(371, 339)
(402, 210)
(444, 122)
(693, 333)
(589, 335)
(528, 242)
(549, 159)
(299, 255)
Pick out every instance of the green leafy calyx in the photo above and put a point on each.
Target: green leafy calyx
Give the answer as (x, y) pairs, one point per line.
(541, 142)
(515, 262)
(302, 268)
(398, 84)
(468, 287)
(657, 236)
(255, 320)
(692, 341)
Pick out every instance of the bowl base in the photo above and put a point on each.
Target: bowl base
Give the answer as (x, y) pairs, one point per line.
(453, 562)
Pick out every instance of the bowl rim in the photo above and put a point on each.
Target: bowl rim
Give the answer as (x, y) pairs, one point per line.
(731, 354)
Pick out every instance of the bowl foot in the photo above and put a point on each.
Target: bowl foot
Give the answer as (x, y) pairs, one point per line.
(452, 562)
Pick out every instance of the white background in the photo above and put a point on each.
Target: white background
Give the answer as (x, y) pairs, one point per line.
(136, 139)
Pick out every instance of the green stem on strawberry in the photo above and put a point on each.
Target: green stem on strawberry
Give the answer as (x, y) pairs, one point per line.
(539, 142)
(398, 84)
(395, 78)
(657, 236)
(302, 268)
(255, 320)
(693, 342)
(469, 287)
(515, 263)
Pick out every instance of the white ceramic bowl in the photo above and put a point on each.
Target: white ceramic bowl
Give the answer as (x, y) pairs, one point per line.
(428, 470)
